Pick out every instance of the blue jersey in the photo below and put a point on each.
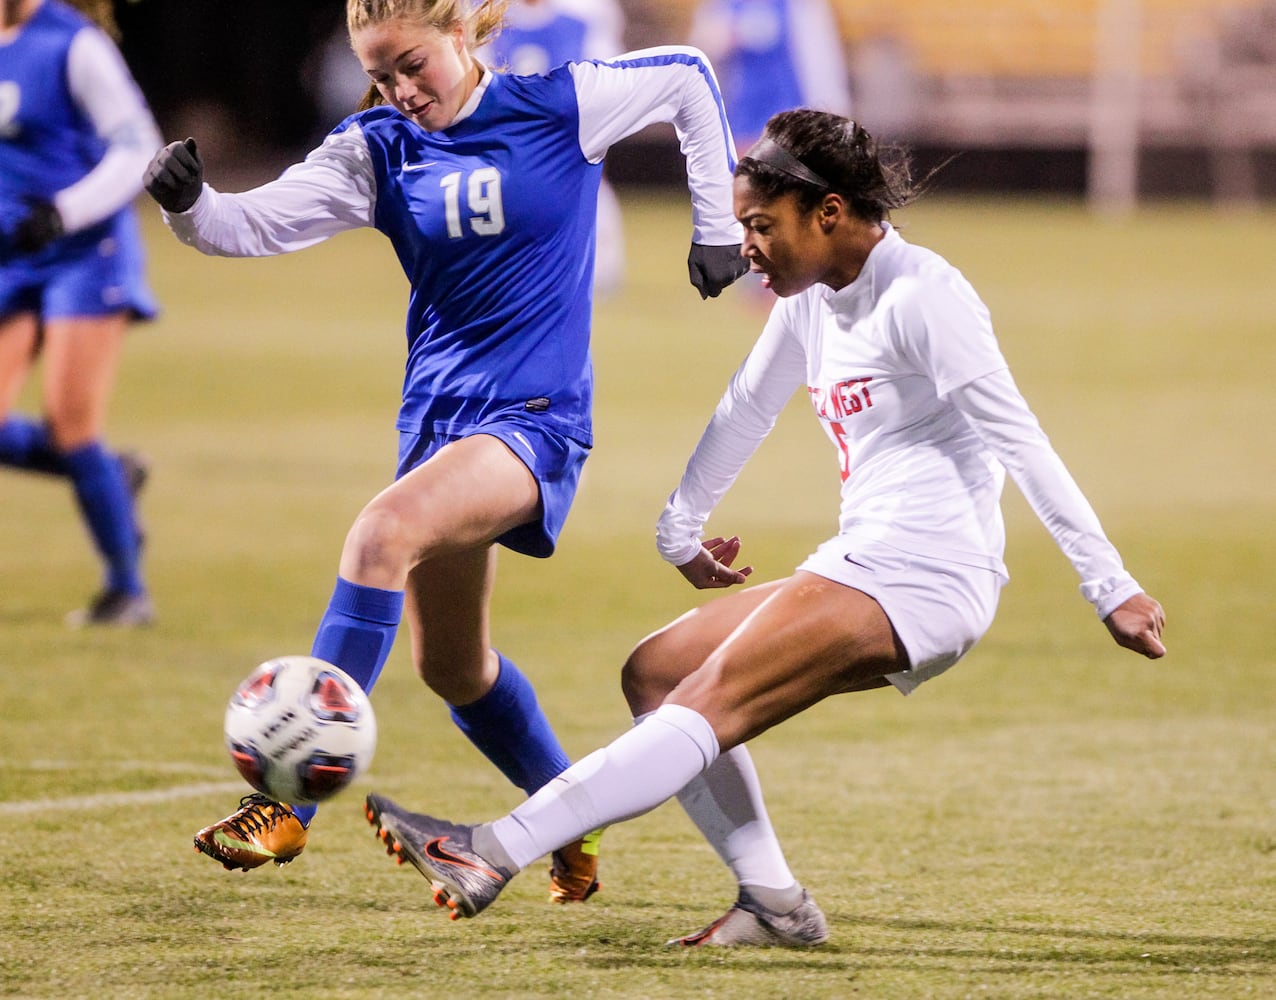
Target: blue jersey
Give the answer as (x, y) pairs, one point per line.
(48, 144)
(493, 222)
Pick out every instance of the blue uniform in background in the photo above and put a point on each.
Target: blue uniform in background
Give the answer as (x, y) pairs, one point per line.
(539, 48)
(47, 143)
(773, 55)
(75, 136)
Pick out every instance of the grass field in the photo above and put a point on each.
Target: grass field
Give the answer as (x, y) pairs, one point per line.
(1054, 818)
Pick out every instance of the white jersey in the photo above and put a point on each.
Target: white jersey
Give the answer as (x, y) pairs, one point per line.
(906, 377)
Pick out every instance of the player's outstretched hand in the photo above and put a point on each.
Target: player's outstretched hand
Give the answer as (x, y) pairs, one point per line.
(713, 268)
(41, 227)
(711, 568)
(175, 177)
(1137, 624)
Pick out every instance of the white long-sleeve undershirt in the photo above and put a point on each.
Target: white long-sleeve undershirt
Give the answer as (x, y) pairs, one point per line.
(101, 85)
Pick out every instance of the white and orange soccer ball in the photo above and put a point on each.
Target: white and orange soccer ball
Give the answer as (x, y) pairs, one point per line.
(300, 730)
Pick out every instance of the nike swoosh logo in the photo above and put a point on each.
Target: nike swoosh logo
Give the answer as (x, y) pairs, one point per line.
(434, 850)
(525, 443)
(408, 167)
(226, 841)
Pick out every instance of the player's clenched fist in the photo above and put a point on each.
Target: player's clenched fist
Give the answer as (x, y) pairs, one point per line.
(713, 268)
(175, 176)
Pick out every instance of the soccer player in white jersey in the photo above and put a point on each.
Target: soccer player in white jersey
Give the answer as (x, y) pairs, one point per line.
(899, 359)
(541, 34)
(75, 135)
(485, 186)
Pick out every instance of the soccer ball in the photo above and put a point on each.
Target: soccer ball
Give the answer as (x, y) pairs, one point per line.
(300, 729)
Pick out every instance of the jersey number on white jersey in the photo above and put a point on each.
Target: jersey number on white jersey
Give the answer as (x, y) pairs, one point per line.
(483, 198)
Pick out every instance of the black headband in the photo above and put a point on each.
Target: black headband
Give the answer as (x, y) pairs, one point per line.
(774, 155)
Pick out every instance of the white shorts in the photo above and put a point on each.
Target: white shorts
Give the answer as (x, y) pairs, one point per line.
(938, 608)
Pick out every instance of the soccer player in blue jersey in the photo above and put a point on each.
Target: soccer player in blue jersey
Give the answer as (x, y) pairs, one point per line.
(75, 136)
(541, 34)
(485, 185)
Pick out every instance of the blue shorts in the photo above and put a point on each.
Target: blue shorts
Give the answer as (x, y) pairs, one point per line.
(95, 273)
(554, 460)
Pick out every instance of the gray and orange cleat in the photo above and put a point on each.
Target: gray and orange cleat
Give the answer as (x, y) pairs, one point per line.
(461, 879)
(749, 924)
(260, 830)
(573, 872)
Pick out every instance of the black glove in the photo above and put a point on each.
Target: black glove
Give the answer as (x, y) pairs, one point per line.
(175, 177)
(41, 227)
(713, 268)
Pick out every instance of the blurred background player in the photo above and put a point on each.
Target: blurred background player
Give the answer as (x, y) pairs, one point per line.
(485, 186)
(75, 136)
(772, 55)
(541, 34)
(898, 356)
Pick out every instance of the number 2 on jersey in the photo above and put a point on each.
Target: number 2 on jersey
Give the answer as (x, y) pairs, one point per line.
(483, 200)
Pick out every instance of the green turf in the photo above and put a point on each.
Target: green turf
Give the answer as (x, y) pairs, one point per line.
(1054, 818)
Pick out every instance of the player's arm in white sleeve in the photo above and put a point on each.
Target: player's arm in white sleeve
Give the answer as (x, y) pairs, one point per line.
(673, 84)
(102, 87)
(331, 191)
(755, 395)
(1000, 415)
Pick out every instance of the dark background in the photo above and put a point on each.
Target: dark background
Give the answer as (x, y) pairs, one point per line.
(250, 59)
(245, 79)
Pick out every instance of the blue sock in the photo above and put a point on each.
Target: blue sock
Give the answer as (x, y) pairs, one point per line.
(25, 444)
(356, 633)
(510, 729)
(107, 507)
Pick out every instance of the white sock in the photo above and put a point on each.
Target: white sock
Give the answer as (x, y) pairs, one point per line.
(634, 774)
(725, 802)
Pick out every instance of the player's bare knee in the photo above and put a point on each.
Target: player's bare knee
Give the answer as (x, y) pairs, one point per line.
(458, 681)
(376, 547)
(649, 674)
(635, 684)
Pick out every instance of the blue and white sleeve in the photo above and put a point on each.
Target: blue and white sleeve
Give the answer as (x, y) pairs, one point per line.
(331, 191)
(673, 84)
(102, 87)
